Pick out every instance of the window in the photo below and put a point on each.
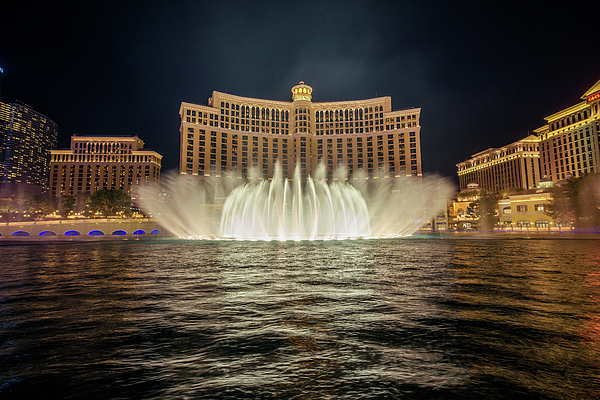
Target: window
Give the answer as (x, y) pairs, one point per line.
(522, 208)
(523, 224)
(506, 211)
(542, 224)
(540, 207)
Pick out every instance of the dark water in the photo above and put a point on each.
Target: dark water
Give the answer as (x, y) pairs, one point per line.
(395, 319)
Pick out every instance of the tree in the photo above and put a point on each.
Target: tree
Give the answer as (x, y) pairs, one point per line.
(462, 196)
(486, 209)
(111, 202)
(22, 203)
(508, 191)
(577, 202)
(588, 201)
(44, 205)
(82, 203)
(563, 203)
(66, 205)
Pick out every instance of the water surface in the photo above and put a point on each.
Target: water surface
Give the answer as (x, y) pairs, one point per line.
(406, 319)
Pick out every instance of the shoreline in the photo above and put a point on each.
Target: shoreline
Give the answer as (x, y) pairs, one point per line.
(571, 234)
(90, 230)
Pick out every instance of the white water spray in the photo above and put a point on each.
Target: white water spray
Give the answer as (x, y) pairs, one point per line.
(282, 209)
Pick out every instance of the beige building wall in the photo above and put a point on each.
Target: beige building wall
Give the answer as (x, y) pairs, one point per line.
(526, 209)
(568, 143)
(103, 162)
(569, 140)
(234, 134)
(516, 165)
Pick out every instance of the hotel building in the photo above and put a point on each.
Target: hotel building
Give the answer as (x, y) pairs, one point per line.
(516, 165)
(103, 162)
(569, 140)
(26, 138)
(567, 144)
(233, 134)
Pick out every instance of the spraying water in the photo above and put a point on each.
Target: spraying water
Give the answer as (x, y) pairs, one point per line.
(282, 209)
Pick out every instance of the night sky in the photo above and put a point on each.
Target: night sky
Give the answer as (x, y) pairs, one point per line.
(484, 75)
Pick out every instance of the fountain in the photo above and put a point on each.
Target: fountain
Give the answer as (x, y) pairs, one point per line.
(282, 209)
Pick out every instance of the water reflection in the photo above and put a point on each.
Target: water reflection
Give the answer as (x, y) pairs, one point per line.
(521, 314)
(342, 319)
(61, 316)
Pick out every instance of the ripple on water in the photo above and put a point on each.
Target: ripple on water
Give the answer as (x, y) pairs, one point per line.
(338, 319)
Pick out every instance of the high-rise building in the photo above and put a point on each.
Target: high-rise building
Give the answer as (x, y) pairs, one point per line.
(567, 144)
(104, 162)
(516, 165)
(26, 138)
(233, 135)
(569, 140)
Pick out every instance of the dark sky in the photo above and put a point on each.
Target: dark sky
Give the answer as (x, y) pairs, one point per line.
(484, 75)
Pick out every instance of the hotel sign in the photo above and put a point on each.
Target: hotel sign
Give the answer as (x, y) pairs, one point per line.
(593, 97)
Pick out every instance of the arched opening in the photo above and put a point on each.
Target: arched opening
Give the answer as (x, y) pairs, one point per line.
(119, 232)
(47, 233)
(20, 233)
(96, 233)
(72, 233)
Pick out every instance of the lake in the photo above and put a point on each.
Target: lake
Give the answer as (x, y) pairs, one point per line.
(357, 319)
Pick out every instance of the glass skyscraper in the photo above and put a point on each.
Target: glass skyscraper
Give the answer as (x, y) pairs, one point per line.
(26, 138)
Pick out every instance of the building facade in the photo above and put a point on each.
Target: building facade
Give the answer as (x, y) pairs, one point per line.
(526, 209)
(103, 162)
(567, 144)
(233, 135)
(26, 139)
(516, 165)
(569, 140)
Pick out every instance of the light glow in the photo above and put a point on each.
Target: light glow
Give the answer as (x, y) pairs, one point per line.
(299, 209)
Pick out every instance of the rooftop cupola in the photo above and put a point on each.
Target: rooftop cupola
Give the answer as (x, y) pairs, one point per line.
(302, 92)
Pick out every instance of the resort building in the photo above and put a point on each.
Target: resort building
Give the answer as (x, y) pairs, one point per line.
(233, 135)
(516, 165)
(526, 209)
(103, 162)
(567, 144)
(459, 211)
(569, 140)
(26, 138)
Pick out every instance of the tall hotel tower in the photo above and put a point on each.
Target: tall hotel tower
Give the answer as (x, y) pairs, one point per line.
(567, 145)
(26, 138)
(233, 135)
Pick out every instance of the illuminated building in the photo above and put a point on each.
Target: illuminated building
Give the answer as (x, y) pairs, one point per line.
(516, 165)
(567, 144)
(526, 209)
(232, 135)
(104, 162)
(569, 140)
(26, 138)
